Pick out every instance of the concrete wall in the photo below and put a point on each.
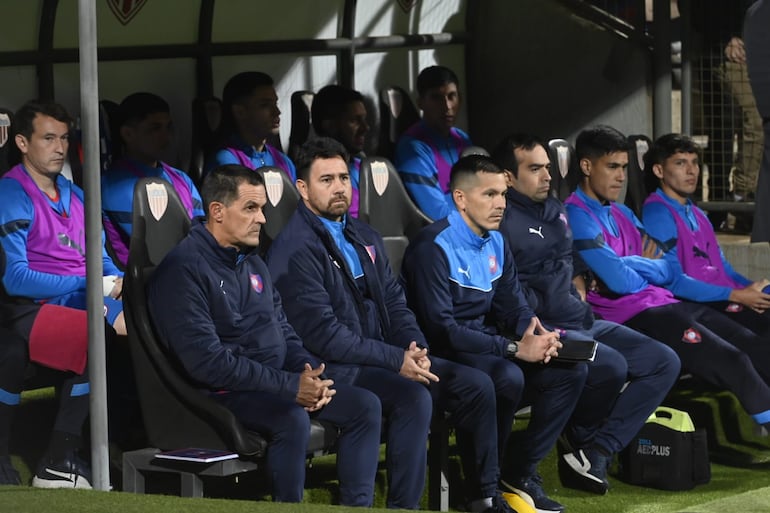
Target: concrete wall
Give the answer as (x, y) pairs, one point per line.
(536, 67)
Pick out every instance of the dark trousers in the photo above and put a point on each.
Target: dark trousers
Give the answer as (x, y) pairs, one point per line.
(715, 349)
(760, 231)
(72, 389)
(467, 394)
(286, 425)
(605, 417)
(757, 322)
(552, 390)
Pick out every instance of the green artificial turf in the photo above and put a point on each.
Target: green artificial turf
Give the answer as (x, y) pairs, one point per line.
(740, 479)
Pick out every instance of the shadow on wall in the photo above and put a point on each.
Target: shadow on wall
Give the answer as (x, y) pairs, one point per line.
(551, 73)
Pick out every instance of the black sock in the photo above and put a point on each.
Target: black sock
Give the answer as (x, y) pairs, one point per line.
(61, 444)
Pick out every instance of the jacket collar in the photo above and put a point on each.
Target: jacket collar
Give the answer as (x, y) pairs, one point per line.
(466, 236)
(228, 256)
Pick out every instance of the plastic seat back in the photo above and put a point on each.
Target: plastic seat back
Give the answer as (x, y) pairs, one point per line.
(282, 198)
(7, 145)
(387, 207)
(638, 187)
(564, 168)
(301, 125)
(397, 113)
(176, 414)
(206, 117)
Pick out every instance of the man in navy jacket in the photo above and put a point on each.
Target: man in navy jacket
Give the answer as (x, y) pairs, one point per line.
(535, 226)
(340, 296)
(214, 306)
(462, 284)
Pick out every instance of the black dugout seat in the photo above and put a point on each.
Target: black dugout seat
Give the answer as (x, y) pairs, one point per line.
(282, 198)
(301, 126)
(387, 207)
(206, 117)
(397, 113)
(564, 168)
(638, 185)
(7, 145)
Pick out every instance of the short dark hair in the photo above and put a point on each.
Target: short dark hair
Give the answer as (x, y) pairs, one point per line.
(468, 166)
(23, 119)
(504, 154)
(136, 107)
(435, 76)
(330, 102)
(318, 148)
(221, 184)
(237, 89)
(598, 141)
(664, 147)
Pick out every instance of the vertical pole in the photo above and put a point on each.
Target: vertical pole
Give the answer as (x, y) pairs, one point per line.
(661, 14)
(685, 12)
(89, 105)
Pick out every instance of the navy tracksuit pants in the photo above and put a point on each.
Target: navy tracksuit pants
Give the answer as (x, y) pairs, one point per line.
(604, 417)
(286, 425)
(73, 389)
(407, 406)
(714, 348)
(552, 390)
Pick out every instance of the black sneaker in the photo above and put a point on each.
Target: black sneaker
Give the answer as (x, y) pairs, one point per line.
(8, 474)
(584, 470)
(530, 489)
(70, 472)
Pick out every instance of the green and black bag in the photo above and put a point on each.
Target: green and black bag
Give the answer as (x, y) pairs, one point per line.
(668, 453)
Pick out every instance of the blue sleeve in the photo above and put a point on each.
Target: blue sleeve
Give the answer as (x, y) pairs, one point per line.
(196, 196)
(178, 302)
(220, 158)
(16, 217)
(296, 354)
(415, 164)
(588, 241)
(292, 168)
(661, 226)
(118, 198)
(426, 274)
(300, 279)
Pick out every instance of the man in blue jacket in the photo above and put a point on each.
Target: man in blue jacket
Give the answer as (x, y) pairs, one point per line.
(604, 422)
(461, 283)
(630, 280)
(340, 296)
(426, 151)
(687, 238)
(213, 304)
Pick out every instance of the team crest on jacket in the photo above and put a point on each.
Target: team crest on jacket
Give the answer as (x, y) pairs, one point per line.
(734, 308)
(492, 264)
(256, 283)
(691, 336)
(372, 252)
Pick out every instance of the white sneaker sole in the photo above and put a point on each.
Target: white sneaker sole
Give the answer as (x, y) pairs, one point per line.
(79, 483)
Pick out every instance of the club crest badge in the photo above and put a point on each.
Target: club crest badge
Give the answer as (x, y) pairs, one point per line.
(379, 176)
(492, 264)
(5, 126)
(273, 186)
(125, 10)
(691, 336)
(372, 251)
(157, 197)
(256, 283)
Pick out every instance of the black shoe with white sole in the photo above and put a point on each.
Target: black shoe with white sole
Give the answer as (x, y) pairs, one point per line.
(584, 470)
(69, 472)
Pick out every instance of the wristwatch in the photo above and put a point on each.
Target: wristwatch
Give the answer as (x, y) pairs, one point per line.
(512, 349)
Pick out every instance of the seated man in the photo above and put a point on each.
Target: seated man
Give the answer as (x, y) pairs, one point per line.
(214, 306)
(339, 112)
(461, 283)
(43, 215)
(50, 337)
(144, 121)
(604, 422)
(630, 278)
(250, 115)
(340, 295)
(687, 238)
(427, 150)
